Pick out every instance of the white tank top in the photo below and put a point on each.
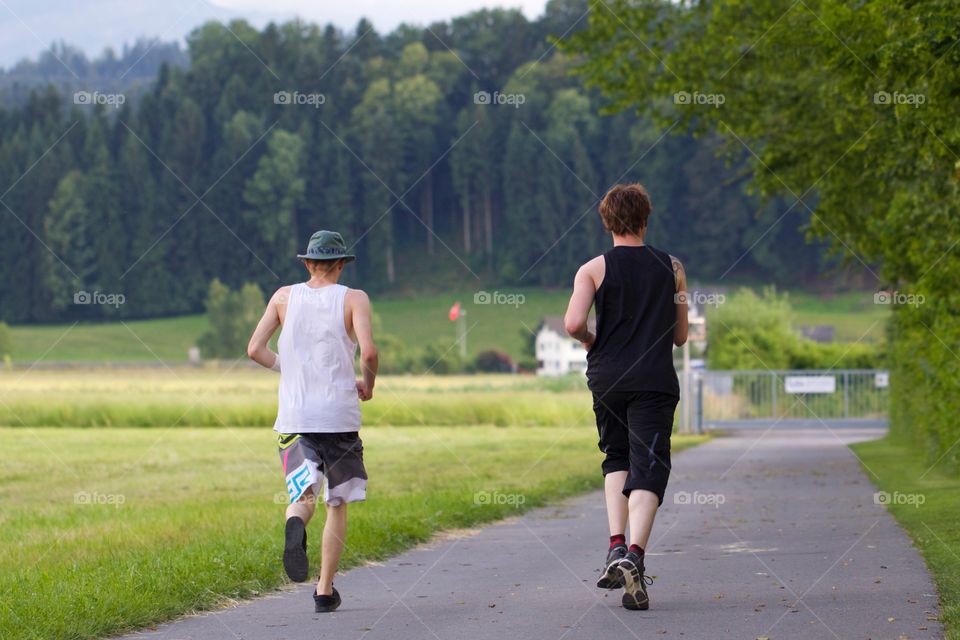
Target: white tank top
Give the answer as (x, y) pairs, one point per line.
(318, 391)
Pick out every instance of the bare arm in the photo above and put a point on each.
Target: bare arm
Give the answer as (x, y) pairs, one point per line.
(578, 310)
(361, 316)
(257, 348)
(682, 326)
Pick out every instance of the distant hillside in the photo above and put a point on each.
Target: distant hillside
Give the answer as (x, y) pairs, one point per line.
(68, 69)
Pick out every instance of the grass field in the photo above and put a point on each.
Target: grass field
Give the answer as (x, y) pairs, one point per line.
(104, 530)
(246, 397)
(853, 314)
(417, 319)
(925, 500)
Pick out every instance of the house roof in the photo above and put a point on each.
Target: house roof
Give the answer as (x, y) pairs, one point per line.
(819, 332)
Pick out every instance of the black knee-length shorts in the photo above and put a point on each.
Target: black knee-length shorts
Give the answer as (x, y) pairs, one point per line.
(635, 428)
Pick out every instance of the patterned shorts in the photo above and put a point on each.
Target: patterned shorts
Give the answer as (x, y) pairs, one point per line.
(309, 458)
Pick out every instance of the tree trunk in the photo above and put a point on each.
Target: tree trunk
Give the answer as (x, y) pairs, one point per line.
(488, 220)
(391, 274)
(426, 204)
(466, 223)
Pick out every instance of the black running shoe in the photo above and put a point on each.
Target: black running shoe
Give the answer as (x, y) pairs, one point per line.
(326, 604)
(295, 550)
(611, 578)
(634, 583)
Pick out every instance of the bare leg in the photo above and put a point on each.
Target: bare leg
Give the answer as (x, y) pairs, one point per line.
(643, 509)
(334, 534)
(303, 508)
(616, 502)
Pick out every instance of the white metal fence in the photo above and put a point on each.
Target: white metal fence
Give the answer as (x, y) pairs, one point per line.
(801, 398)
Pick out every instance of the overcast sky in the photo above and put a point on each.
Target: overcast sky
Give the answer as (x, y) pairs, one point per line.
(29, 26)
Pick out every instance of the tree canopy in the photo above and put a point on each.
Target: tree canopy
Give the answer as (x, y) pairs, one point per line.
(461, 152)
(847, 112)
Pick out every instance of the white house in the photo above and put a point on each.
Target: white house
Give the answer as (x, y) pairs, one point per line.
(558, 353)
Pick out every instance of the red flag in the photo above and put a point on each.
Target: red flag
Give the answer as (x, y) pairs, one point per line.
(454, 312)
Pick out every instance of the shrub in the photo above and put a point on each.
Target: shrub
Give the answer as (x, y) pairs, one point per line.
(807, 354)
(395, 357)
(6, 345)
(751, 332)
(492, 361)
(755, 332)
(438, 357)
(233, 315)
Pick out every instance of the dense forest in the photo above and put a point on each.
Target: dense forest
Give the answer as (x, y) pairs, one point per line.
(457, 154)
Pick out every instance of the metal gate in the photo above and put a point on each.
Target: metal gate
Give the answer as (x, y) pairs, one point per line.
(800, 398)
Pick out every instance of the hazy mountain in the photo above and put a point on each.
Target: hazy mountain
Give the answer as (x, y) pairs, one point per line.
(29, 26)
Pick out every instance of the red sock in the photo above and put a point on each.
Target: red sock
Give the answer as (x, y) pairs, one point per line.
(637, 549)
(617, 539)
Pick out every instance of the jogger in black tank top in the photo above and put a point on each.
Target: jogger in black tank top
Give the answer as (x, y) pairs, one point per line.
(639, 294)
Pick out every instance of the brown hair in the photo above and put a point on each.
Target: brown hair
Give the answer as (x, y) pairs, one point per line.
(321, 265)
(625, 209)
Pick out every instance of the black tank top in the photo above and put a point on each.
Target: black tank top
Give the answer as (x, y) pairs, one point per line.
(636, 313)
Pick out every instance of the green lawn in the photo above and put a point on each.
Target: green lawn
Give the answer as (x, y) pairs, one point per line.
(139, 340)
(932, 524)
(105, 530)
(418, 319)
(854, 314)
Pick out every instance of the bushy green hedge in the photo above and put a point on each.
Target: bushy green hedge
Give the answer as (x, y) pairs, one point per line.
(6, 346)
(439, 357)
(751, 331)
(925, 381)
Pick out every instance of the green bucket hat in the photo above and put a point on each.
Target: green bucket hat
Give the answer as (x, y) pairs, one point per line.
(327, 245)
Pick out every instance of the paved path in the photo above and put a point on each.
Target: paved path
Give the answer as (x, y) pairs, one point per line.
(796, 550)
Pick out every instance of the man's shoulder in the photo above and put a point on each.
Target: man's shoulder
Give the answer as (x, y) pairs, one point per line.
(356, 295)
(594, 264)
(282, 294)
(595, 269)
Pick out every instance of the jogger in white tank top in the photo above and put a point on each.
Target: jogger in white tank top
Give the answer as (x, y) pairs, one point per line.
(318, 416)
(318, 390)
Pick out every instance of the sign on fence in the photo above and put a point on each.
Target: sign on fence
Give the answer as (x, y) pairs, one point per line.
(810, 384)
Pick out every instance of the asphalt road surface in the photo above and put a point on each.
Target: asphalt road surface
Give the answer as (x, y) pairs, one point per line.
(763, 534)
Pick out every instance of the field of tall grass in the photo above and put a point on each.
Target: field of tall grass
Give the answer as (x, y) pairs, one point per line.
(246, 397)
